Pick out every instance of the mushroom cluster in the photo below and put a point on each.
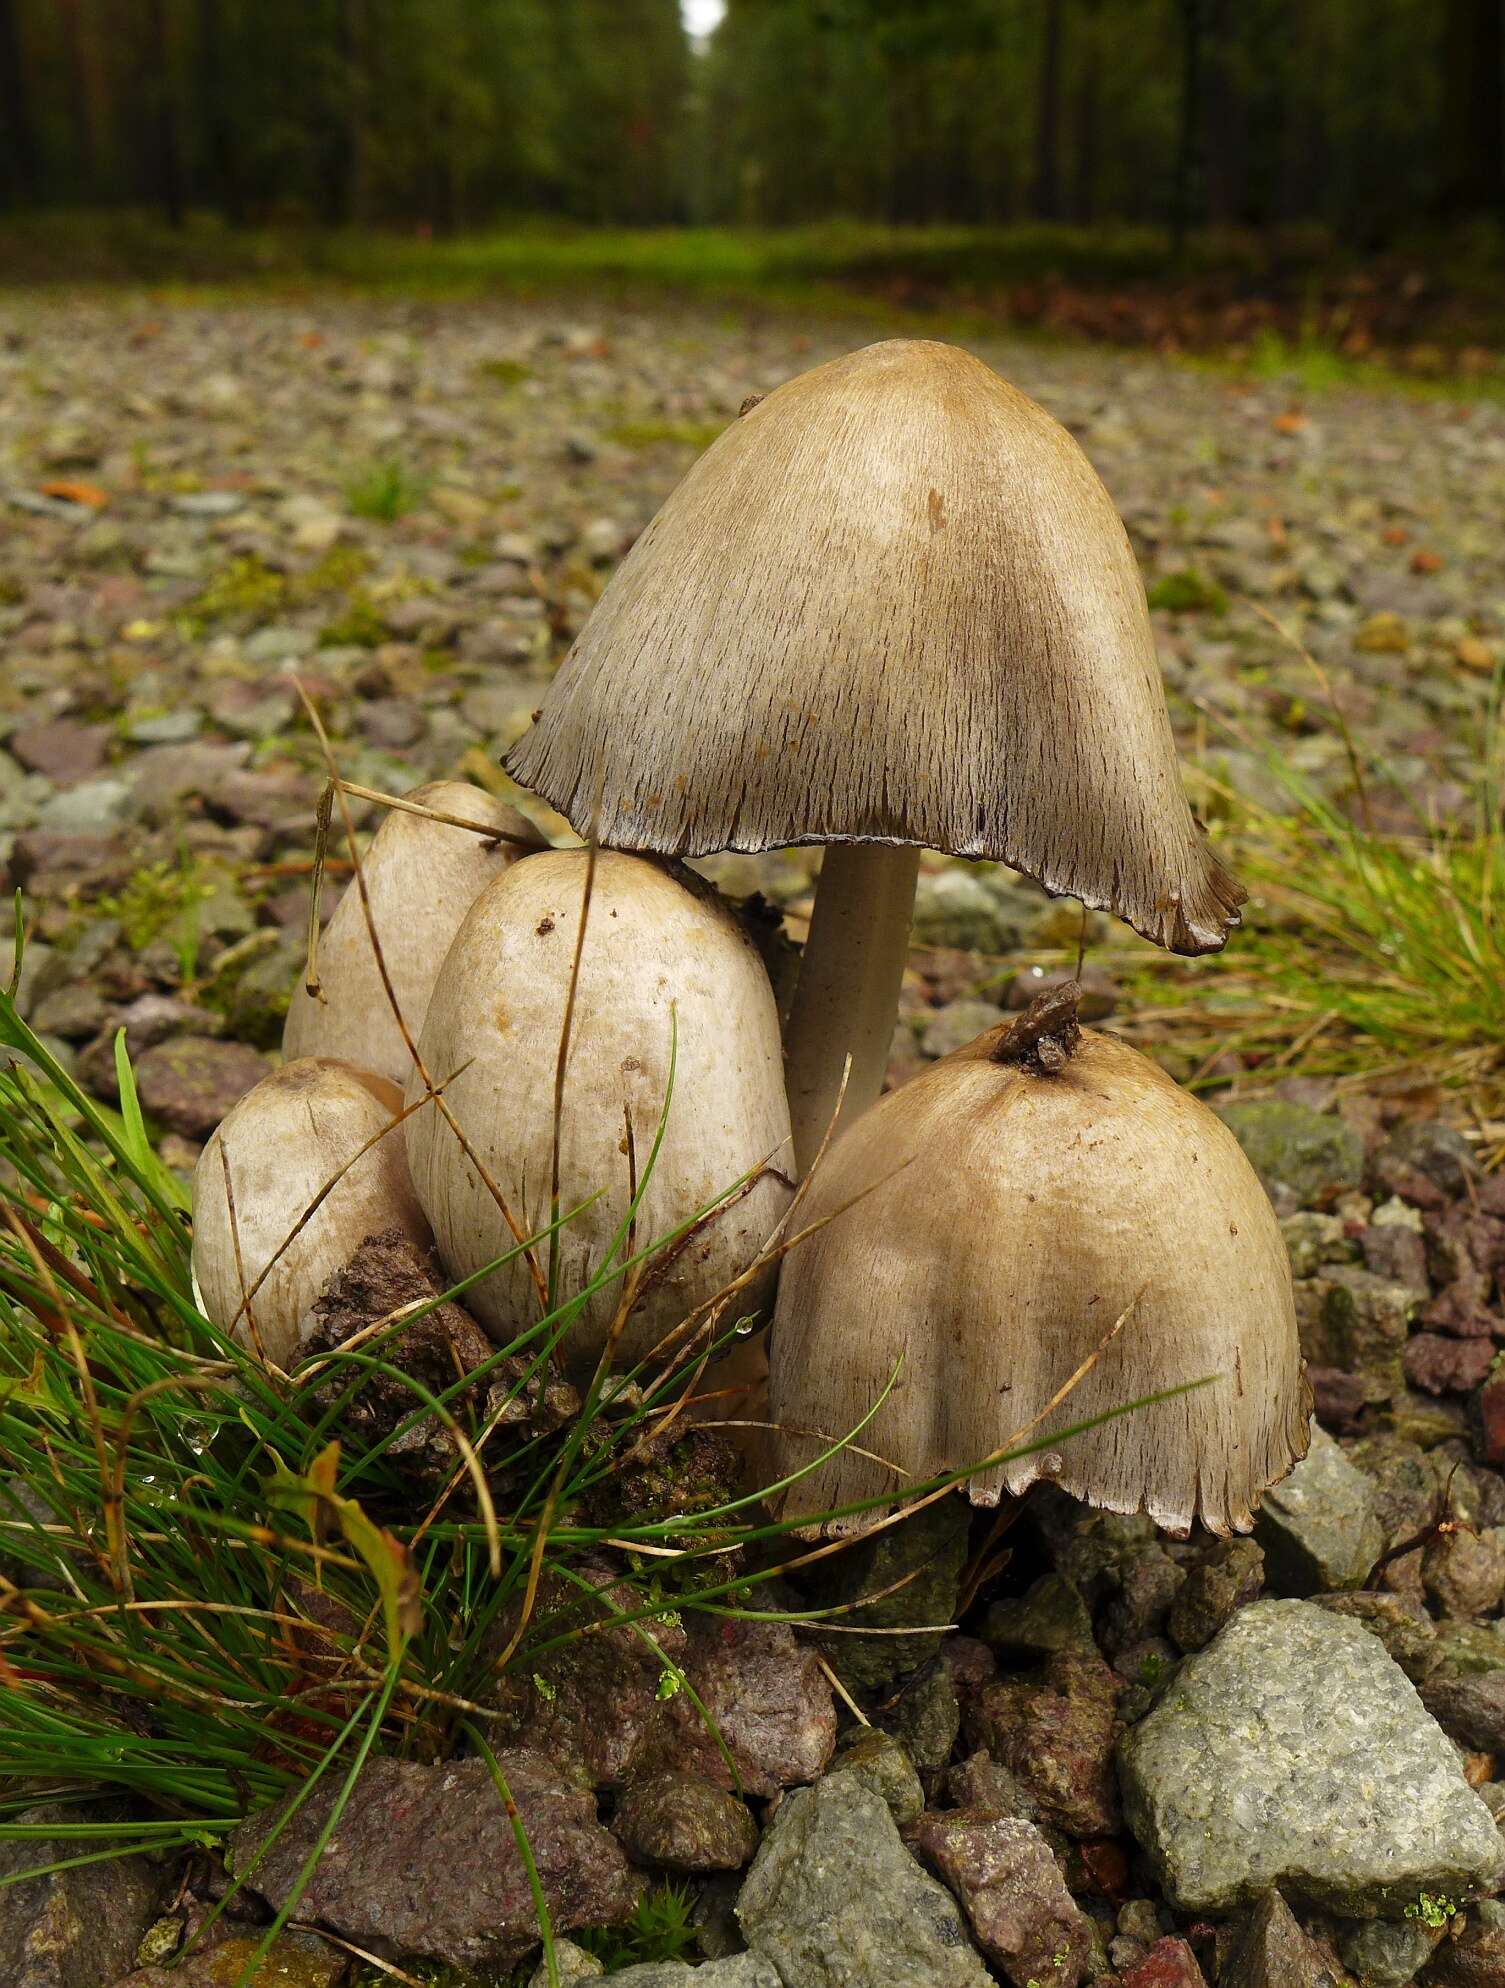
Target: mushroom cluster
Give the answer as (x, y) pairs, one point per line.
(890, 609)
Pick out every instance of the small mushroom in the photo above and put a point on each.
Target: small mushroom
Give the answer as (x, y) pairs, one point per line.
(891, 608)
(664, 966)
(421, 877)
(987, 1228)
(312, 1122)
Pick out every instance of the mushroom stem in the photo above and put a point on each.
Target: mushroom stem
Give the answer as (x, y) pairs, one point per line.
(848, 992)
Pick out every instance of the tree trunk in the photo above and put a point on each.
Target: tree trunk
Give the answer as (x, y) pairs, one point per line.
(83, 83)
(1187, 122)
(165, 139)
(18, 159)
(1473, 142)
(1085, 138)
(225, 188)
(1225, 124)
(1048, 118)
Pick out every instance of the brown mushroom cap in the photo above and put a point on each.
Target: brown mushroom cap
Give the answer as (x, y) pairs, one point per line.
(991, 1221)
(300, 1128)
(892, 603)
(421, 877)
(665, 968)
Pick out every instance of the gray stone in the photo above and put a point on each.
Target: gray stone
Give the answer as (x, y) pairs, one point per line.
(879, 1760)
(1313, 1240)
(571, 1963)
(93, 807)
(955, 908)
(914, 1567)
(74, 1928)
(1318, 1527)
(166, 727)
(1050, 1616)
(957, 1024)
(1293, 1752)
(929, 1716)
(1228, 1578)
(739, 1970)
(1308, 1153)
(1387, 1953)
(677, 1822)
(836, 1900)
(1402, 1625)
(1360, 1323)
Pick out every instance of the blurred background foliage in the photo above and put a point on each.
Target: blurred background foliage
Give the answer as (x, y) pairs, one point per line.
(1367, 117)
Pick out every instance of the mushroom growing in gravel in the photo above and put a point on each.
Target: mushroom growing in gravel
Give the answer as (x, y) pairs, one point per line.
(664, 963)
(260, 1180)
(990, 1224)
(890, 608)
(421, 877)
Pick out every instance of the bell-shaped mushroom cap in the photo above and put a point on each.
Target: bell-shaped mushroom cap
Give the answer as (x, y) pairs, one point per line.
(892, 603)
(990, 1224)
(421, 876)
(264, 1241)
(665, 969)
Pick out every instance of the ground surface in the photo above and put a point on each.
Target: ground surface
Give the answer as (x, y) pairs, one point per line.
(414, 506)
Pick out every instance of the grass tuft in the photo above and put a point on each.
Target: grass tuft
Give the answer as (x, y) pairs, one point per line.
(1374, 940)
(385, 490)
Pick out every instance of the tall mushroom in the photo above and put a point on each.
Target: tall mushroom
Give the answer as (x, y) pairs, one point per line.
(421, 875)
(890, 608)
(987, 1227)
(302, 1170)
(664, 969)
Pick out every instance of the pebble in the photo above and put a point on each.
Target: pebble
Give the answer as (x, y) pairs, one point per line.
(1299, 1154)
(1271, 1950)
(1012, 1891)
(835, 1899)
(189, 1083)
(1294, 1753)
(677, 1822)
(1318, 1527)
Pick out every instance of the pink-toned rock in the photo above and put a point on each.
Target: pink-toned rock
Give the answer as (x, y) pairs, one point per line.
(1492, 1418)
(1168, 1964)
(63, 750)
(425, 1860)
(597, 1701)
(190, 1082)
(1056, 1732)
(1012, 1891)
(766, 1695)
(1439, 1364)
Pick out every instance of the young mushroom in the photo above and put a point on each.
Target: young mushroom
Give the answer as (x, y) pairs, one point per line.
(267, 1237)
(664, 968)
(891, 608)
(421, 878)
(1042, 1203)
